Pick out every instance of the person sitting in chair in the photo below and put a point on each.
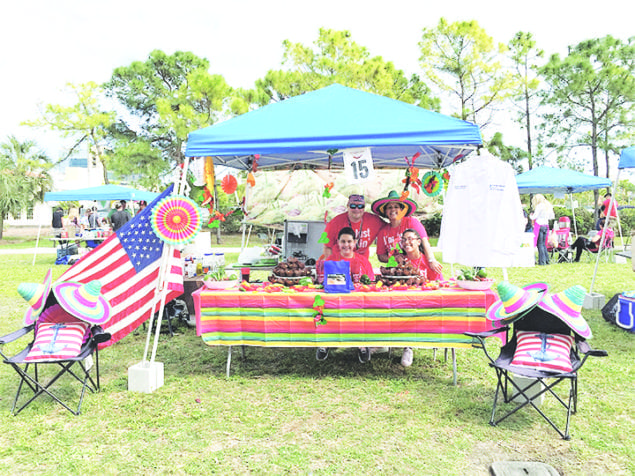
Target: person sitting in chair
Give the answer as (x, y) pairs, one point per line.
(592, 244)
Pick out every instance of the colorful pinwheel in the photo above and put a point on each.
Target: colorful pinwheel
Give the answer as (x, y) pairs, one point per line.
(176, 220)
(432, 183)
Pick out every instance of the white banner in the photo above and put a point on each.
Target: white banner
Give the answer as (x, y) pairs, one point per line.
(358, 165)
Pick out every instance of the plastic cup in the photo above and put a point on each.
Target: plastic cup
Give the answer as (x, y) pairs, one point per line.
(245, 274)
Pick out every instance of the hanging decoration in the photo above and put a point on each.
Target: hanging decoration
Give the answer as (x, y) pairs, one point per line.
(446, 178)
(318, 311)
(176, 220)
(214, 221)
(251, 179)
(432, 183)
(229, 184)
(210, 177)
(327, 190)
(412, 177)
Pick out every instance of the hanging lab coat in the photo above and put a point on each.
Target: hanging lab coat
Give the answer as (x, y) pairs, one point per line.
(483, 219)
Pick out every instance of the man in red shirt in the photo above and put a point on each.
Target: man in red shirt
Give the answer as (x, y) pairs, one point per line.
(366, 226)
(606, 203)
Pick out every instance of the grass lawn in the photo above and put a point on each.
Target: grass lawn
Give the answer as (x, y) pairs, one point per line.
(282, 412)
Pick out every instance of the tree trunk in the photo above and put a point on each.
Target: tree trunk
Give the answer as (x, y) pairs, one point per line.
(1, 224)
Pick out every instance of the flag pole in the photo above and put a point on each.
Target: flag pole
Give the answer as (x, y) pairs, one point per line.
(168, 252)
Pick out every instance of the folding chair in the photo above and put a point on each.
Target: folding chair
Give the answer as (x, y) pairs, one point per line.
(544, 338)
(562, 253)
(606, 252)
(60, 341)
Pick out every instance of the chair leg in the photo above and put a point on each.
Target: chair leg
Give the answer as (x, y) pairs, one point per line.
(41, 389)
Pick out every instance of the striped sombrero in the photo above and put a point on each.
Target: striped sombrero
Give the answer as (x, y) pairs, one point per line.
(567, 306)
(35, 294)
(514, 301)
(83, 301)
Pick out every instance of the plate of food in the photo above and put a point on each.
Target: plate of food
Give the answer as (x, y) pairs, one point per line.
(481, 285)
(219, 280)
(474, 279)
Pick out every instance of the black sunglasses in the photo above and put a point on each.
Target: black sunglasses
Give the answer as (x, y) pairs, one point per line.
(359, 205)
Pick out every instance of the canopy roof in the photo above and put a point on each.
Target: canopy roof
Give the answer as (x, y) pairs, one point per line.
(102, 192)
(301, 130)
(554, 180)
(627, 158)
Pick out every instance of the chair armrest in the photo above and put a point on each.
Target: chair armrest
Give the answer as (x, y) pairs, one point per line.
(15, 335)
(587, 350)
(489, 333)
(99, 335)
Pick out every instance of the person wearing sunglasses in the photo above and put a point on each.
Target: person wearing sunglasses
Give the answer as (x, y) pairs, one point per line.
(365, 225)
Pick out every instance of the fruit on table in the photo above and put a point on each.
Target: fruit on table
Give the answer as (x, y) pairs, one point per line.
(291, 272)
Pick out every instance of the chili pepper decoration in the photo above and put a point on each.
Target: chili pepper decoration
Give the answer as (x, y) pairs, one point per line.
(318, 311)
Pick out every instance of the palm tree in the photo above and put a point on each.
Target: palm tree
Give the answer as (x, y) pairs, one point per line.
(24, 176)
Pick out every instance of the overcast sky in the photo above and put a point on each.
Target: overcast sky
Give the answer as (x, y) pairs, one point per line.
(45, 44)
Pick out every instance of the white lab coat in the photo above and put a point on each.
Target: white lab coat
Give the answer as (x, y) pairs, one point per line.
(483, 221)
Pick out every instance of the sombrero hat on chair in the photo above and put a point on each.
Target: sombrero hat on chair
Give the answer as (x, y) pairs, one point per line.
(83, 301)
(35, 294)
(515, 301)
(567, 306)
(379, 206)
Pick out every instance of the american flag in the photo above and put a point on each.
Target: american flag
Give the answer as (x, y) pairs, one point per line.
(127, 264)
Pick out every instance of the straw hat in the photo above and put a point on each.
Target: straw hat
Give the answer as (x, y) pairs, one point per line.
(83, 301)
(379, 205)
(567, 305)
(515, 301)
(35, 294)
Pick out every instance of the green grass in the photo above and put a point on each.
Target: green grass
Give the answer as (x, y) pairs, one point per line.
(282, 412)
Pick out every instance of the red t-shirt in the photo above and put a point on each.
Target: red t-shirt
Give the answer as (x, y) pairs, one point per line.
(370, 225)
(423, 266)
(359, 265)
(389, 237)
(606, 204)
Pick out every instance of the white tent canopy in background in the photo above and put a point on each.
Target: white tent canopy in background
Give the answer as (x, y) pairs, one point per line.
(483, 220)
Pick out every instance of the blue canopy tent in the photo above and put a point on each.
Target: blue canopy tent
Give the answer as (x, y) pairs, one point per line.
(100, 193)
(312, 129)
(559, 181)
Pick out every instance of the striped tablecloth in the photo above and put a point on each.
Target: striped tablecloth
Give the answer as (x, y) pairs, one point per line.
(375, 319)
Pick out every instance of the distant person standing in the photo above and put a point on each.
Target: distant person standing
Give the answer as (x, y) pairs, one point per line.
(56, 223)
(610, 209)
(124, 209)
(142, 205)
(119, 218)
(543, 212)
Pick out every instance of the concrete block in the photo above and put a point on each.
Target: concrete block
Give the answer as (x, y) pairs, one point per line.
(145, 377)
(524, 382)
(593, 301)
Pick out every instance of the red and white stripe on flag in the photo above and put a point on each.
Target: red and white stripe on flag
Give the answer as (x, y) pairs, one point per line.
(127, 265)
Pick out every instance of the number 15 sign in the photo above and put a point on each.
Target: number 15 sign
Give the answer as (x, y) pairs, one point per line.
(358, 165)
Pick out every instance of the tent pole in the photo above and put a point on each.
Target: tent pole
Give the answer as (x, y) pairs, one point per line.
(602, 239)
(37, 241)
(575, 225)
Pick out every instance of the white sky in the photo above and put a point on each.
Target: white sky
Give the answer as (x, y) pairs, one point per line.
(45, 44)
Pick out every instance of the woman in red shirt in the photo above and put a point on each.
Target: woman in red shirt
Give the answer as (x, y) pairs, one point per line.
(411, 244)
